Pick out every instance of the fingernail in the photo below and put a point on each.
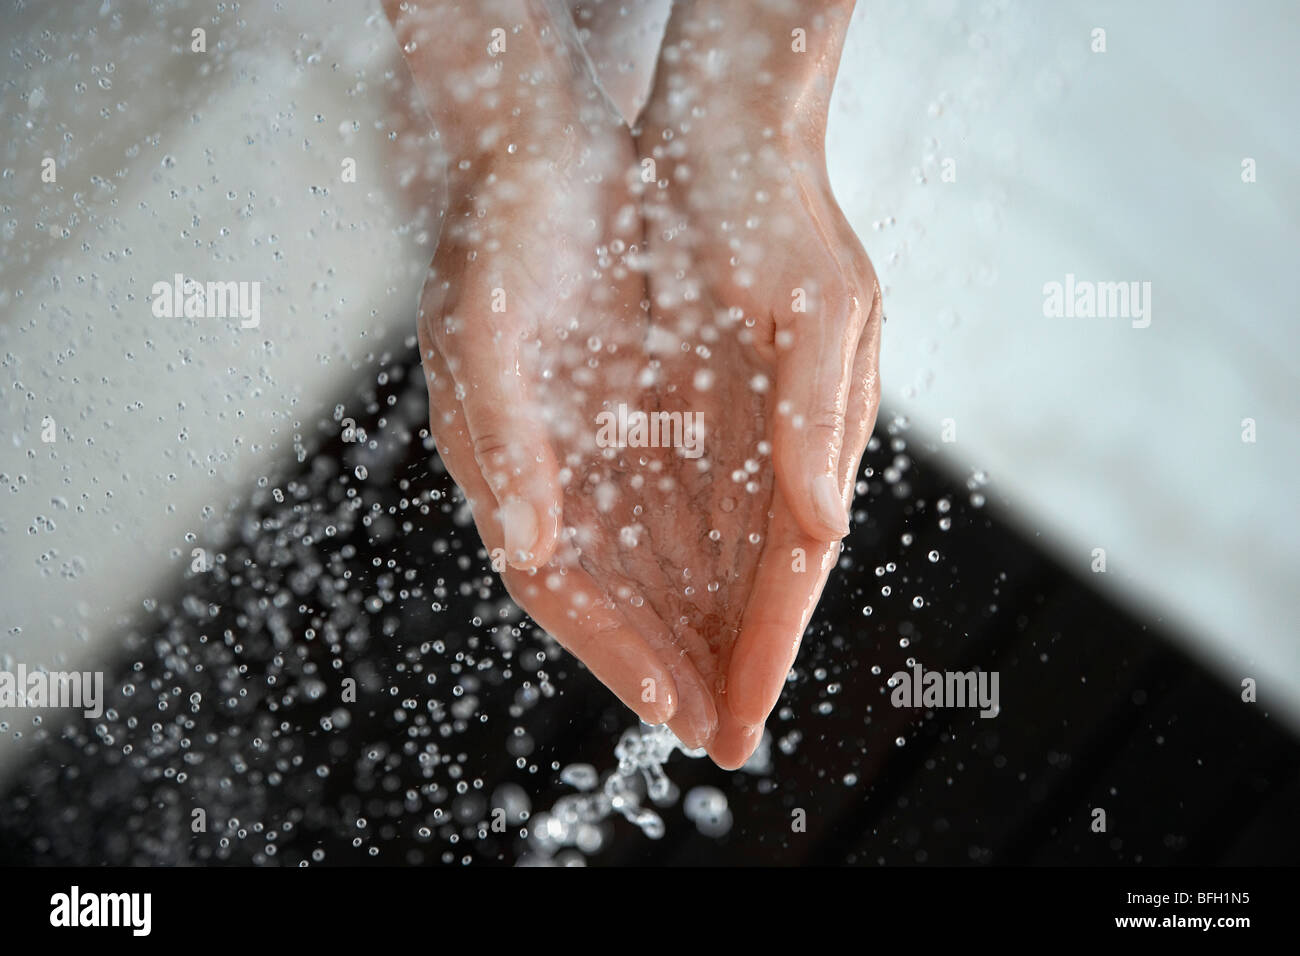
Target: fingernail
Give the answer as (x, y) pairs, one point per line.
(828, 505)
(704, 728)
(519, 522)
(664, 710)
(695, 709)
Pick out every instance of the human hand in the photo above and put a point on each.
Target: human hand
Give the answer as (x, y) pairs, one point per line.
(550, 227)
(750, 252)
(531, 268)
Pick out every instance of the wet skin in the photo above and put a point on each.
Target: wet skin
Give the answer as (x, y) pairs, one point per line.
(729, 285)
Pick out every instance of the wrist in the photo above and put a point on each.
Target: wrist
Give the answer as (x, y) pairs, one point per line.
(492, 73)
(725, 62)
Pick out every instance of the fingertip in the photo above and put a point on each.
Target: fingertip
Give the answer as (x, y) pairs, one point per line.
(756, 676)
(530, 506)
(696, 720)
(806, 473)
(519, 525)
(531, 531)
(748, 710)
(817, 505)
(731, 751)
(829, 508)
(657, 701)
(660, 712)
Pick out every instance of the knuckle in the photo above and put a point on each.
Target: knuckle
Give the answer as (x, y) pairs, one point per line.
(491, 446)
(825, 423)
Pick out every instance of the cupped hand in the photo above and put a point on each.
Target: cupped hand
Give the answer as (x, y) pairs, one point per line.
(752, 259)
(683, 573)
(654, 540)
(531, 269)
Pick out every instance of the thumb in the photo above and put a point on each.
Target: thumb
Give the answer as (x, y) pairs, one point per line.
(812, 385)
(509, 439)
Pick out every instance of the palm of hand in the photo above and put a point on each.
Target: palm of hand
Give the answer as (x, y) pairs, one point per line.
(672, 538)
(661, 543)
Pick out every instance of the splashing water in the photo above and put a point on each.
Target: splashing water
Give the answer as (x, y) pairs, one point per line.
(227, 695)
(572, 824)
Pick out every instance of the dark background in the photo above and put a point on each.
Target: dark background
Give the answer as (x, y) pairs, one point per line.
(228, 697)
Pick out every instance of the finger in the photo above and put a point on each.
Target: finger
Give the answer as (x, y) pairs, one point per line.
(565, 602)
(683, 651)
(449, 431)
(569, 604)
(864, 395)
(735, 741)
(794, 566)
(864, 398)
(696, 720)
(787, 585)
(510, 443)
(814, 361)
